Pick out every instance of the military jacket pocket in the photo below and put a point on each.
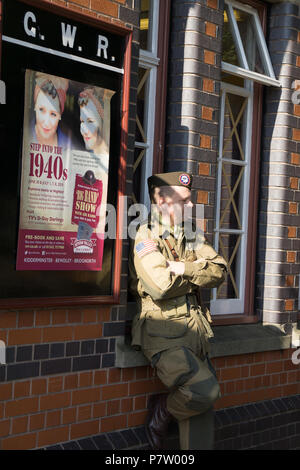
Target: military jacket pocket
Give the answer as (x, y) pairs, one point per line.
(170, 321)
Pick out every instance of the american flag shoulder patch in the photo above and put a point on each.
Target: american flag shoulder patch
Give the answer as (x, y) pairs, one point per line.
(145, 247)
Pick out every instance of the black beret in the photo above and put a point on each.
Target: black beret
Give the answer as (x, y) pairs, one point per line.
(174, 178)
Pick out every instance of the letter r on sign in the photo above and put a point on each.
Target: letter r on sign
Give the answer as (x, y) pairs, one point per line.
(102, 46)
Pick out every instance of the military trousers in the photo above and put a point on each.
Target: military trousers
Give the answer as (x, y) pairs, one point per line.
(193, 389)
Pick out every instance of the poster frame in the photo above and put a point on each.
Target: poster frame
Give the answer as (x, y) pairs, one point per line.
(125, 34)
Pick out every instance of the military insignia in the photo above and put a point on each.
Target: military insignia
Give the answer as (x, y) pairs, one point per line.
(184, 179)
(145, 247)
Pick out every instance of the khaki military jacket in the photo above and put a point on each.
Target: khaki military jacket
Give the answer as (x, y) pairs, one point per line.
(169, 310)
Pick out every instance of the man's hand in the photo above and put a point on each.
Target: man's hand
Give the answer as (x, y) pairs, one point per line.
(176, 267)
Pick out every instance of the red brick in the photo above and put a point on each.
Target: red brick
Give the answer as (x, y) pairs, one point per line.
(205, 141)
(84, 413)
(204, 169)
(71, 381)
(59, 316)
(36, 422)
(21, 407)
(207, 113)
(87, 331)
(85, 379)
(19, 425)
(290, 280)
(212, 4)
(90, 315)
(202, 197)
(231, 373)
(146, 386)
(209, 57)
(289, 304)
(296, 134)
(25, 319)
(291, 256)
(99, 410)
(42, 318)
(100, 377)
(294, 182)
(88, 395)
(74, 316)
(53, 418)
(293, 208)
(137, 419)
(295, 158)
(126, 405)
(113, 423)
(104, 314)
(53, 436)
(69, 415)
(27, 441)
(105, 6)
(140, 403)
(27, 336)
(114, 375)
(208, 85)
(55, 384)
(4, 427)
(210, 29)
(87, 428)
(257, 369)
(55, 400)
(114, 391)
(8, 320)
(292, 232)
(57, 333)
(113, 407)
(21, 389)
(39, 386)
(84, 3)
(5, 391)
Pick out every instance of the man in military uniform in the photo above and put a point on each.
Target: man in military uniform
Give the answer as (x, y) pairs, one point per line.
(168, 268)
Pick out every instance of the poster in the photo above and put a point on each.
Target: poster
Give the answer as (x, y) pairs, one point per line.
(65, 162)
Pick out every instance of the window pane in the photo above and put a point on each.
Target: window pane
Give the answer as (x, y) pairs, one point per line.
(229, 53)
(246, 27)
(141, 108)
(234, 127)
(144, 25)
(231, 200)
(229, 248)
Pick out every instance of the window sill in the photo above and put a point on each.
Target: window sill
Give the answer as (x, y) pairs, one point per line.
(228, 341)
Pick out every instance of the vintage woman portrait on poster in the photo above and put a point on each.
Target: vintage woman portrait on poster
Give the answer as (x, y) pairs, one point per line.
(64, 178)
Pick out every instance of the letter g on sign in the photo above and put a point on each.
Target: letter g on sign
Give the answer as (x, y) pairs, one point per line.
(30, 31)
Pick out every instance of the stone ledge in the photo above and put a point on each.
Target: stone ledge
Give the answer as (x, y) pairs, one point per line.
(228, 341)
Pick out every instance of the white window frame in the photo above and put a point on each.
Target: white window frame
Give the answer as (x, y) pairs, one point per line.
(148, 60)
(244, 71)
(234, 306)
(237, 305)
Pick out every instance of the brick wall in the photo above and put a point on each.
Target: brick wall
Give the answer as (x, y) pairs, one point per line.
(194, 92)
(58, 383)
(59, 387)
(278, 256)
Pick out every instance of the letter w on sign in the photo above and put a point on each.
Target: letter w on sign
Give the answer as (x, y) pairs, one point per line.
(145, 247)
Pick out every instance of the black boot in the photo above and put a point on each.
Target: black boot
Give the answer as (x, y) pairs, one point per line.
(157, 420)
